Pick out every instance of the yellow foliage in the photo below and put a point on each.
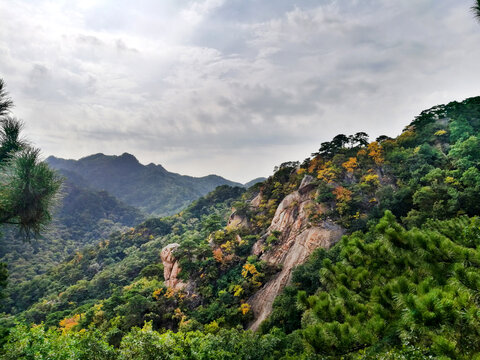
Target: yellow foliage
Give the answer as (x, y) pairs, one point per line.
(301, 171)
(228, 247)
(371, 179)
(244, 308)
(314, 163)
(451, 180)
(169, 293)
(405, 136)
(342, 194)
(350, 164)
(375, 151)
(361, 152)
(250, 269)
(156, 294)
(68, 323)
(440, 132)
(327, 172)
(237, 290)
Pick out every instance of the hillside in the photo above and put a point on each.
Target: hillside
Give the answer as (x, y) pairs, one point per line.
(83, 217)
(366, 250)
(150, 187)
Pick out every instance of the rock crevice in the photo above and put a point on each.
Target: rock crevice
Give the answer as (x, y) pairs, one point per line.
(297, 240)
(171, 267)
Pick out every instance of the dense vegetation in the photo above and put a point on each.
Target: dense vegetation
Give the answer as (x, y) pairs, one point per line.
(83, 217)
(150, 188)
(402, 284)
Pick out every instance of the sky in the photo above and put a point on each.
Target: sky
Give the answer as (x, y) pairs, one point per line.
(230, 87)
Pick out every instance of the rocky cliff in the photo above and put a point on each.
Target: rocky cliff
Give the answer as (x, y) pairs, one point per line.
(297, 239)
(171, 267)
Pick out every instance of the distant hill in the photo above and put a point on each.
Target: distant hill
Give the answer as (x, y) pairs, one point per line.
(254, 181)
(149, 187)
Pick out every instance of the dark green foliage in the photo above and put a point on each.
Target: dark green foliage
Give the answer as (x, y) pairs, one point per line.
(476, 9)
(394, 286)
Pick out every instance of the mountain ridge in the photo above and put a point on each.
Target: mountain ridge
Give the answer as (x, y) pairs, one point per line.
(150, 187)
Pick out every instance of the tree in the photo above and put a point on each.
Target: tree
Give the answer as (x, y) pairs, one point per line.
(476, 9)
(28, 187)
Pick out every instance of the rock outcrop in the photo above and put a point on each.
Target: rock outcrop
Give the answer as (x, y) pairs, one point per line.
(297, 240)
(171, 267)
(236, 221)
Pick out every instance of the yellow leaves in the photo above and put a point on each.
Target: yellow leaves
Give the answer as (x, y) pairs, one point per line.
(249, 271)
(440, 132)
(244, 308)
(169, 293)
(371, 179)
(375, 151)
(361, 152)
(451, 180)
(327, 172)
(350, 164)
(156, 294)
(301, 171)
(314, 163)
(68, 323)
(342, 194)
(237, 290)
(405, 136)
(228, 247)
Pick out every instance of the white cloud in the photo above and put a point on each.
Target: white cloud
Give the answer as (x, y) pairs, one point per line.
(229, 87)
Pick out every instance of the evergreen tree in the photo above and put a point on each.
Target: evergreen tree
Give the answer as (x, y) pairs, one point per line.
(27, 185)
(476, 9)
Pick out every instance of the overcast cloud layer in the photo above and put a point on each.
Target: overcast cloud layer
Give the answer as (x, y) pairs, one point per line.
(229, 87)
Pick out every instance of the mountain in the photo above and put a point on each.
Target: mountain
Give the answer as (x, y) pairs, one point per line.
(254, 181)
(366, 250)
(150, 187)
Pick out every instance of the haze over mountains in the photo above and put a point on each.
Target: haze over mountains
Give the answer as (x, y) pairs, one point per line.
(151, 188)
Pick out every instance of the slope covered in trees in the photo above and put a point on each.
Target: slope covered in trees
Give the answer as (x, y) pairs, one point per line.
(150, 187)
(83, 217)
(401, 284)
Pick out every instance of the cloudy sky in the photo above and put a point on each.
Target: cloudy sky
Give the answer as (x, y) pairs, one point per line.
(231, 87)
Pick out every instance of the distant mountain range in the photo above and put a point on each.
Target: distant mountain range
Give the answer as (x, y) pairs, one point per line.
(150, 188)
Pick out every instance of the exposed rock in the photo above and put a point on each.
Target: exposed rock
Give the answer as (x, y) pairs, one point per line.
(307, 184)
(171, 267)
(237, 221)
(256, 200)
(298, 239)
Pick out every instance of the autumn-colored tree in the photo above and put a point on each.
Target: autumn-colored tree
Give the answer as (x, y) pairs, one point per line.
(351, 164)
(327, 172)
(68, 324)
(375, 151)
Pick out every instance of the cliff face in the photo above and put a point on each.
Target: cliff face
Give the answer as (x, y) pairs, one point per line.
(297, 239)
(171, 267)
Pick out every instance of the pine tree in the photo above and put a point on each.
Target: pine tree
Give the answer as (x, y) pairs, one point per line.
(28, 187)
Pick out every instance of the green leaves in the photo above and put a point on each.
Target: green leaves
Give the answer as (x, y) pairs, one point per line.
(414, 287)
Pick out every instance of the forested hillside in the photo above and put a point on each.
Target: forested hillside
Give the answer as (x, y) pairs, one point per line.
(401, 283)
(82, 217)
(150, 187)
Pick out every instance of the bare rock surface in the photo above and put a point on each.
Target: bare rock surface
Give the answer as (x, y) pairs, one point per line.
(297, 240)
(171, 267)
(236, 221)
